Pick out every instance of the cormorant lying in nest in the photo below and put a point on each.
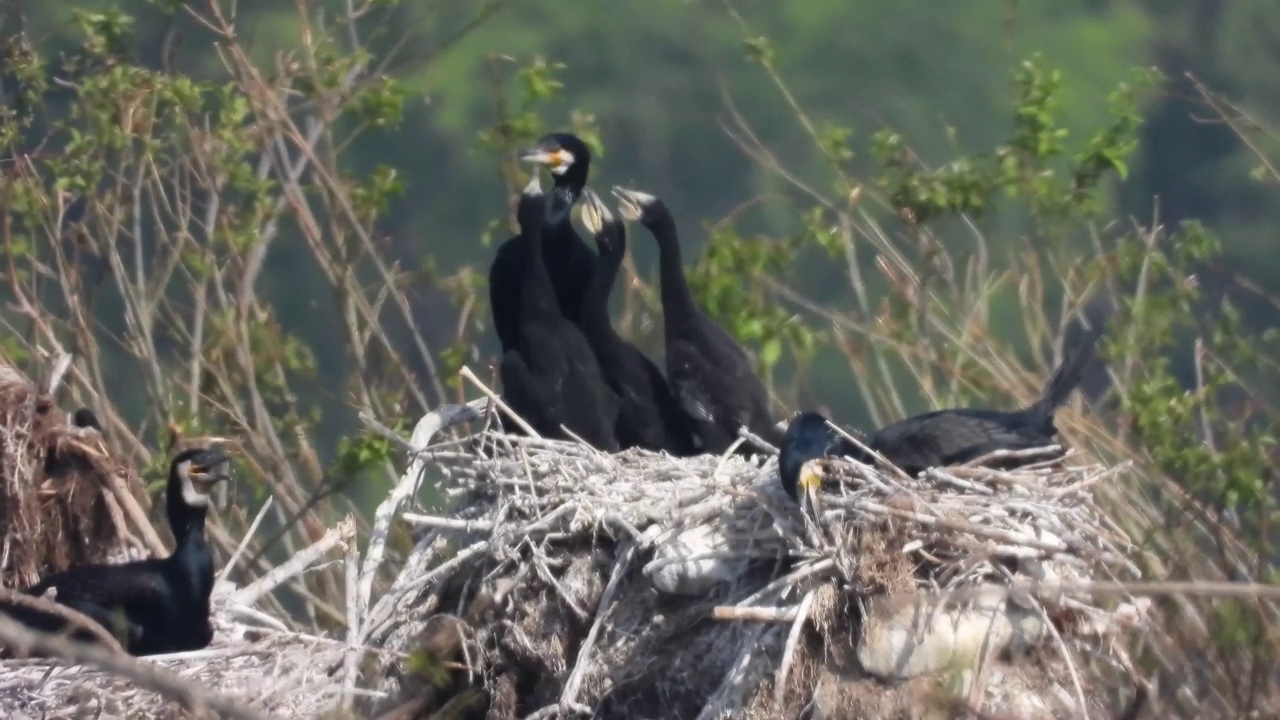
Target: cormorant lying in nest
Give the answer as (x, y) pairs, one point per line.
(570, 263)
(551, 378)
(648, 415)
(158, 605)
(711, 375)
(943, 437)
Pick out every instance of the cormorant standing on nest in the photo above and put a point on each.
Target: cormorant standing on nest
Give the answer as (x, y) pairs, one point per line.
(551, 377)
(648, 415)
(943, 437)
(570, 262)
(159, 605)
(711, 375)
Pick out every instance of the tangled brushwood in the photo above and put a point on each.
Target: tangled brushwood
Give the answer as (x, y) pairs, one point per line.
(64, 499)
(640, 586)
(562, 581)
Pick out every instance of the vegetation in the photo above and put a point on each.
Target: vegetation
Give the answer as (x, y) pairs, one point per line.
(257, 224)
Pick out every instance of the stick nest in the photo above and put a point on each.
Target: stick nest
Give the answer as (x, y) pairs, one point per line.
(57, 505)
(565, 582)
(639, 586)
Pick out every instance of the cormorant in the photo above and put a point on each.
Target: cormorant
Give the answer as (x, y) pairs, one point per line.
(158, 605)
(551, 378)
(85, 418)
(943, 437)
(569, 261)
(956, 436)
(808, 437)
(711, 375)
(648, 414)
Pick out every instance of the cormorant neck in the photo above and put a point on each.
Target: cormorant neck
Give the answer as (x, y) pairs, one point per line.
(594, 318)
(560, 203)
(538, 298)
(675, 288)
(185, 520)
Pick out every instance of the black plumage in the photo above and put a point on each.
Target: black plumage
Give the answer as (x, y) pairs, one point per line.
(85, 418)
(551, 377)
(808, 437)
(956, 436)
(942, 437)
(158, 605)
(570, 262)
(648, 414)
(712, 377)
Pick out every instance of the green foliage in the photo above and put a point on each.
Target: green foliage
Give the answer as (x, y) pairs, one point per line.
(1025, 168)
(362, 453)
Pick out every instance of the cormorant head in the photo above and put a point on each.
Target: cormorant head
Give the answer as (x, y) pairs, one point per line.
(530, 205)
(600, 222)
(807, 438)
(85, 418)
(197, 471)
(636, 206)
(569, 160)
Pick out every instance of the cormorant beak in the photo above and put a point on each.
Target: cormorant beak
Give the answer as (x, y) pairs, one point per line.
(213, 469)
(631, 202)
(554, 159)
(594, 212)
(811, 474)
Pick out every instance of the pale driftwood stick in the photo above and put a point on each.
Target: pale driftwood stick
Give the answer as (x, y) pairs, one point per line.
(423, 432)
(47, 606)
(733, 613)
(304, 559)
(1015, 454)
(756, 440)
(355, 629)
(466, 374)
(60, 368)
(151, 677)
(248, 535)
(442, 523)
(569, 696)
(131, 507)
(789, 650)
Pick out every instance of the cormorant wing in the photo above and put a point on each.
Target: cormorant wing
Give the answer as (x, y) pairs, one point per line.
(127, 584)
(949, 437)
(702, 388)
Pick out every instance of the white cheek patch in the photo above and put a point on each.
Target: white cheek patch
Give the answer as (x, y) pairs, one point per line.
(193, 497)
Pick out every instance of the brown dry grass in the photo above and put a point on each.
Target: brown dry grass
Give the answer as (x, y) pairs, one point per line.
(58, 508)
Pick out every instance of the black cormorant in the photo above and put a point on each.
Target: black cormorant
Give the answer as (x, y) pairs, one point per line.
(808, 437)
(711, 374)
(953, 437)
(570, 262)
(648, 414)
(551, 377)
(943, 437)
(85, 418)
(158, 605)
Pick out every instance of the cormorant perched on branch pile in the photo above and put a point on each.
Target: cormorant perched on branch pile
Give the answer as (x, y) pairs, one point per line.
(943, 437)
(551, 378)
(159, 605)
(569, 261)
(711, 375)
(648, 415)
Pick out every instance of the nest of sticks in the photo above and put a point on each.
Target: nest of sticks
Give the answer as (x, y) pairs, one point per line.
(636, 585)
(64, 499)
(562, 581)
